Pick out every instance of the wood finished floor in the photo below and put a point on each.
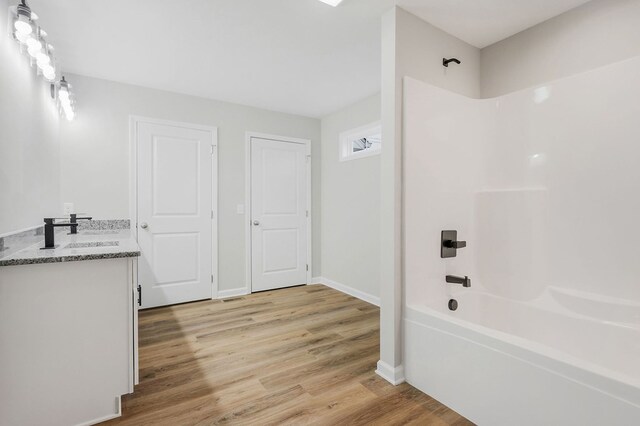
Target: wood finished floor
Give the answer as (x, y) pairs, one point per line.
(303, 355)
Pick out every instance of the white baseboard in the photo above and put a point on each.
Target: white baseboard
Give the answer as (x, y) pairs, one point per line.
(348, 290)
(234, 292)
(395, 376)
(117, 414)
(100, 420)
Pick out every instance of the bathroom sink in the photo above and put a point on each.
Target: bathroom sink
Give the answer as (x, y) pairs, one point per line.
(92, 244)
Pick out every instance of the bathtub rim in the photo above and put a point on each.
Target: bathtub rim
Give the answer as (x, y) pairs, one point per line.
(614, 384)
(575, 300)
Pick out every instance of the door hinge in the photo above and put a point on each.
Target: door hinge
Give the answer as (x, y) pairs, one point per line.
(307, 267)
(307, 213)
(139, 295)
(212, 278)
(213, 148)
(211, 214)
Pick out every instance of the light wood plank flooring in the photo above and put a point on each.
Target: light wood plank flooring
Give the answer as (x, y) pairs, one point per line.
(303, 355)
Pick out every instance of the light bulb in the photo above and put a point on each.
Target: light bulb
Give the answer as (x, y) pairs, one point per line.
(48, 69)
(67, 109)
(22, 25)
(64, 98)
(49, 74)
(22, 38)
(33, 43)
(43, 60)
(34, 50)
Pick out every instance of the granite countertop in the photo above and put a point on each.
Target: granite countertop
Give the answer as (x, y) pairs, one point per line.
(86, 245)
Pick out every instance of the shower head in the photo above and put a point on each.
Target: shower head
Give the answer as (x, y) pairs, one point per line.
(446, 62)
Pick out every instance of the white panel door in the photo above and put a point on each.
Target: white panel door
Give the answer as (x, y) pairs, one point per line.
(278, 214)
(174, 213)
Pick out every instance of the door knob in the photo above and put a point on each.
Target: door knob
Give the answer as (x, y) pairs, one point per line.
(144, 225)
(256, 223)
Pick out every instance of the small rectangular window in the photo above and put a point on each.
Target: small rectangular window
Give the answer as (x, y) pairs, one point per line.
(361, 142)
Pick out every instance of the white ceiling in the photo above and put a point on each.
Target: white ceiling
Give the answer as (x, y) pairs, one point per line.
(297, 56)
(482, 23)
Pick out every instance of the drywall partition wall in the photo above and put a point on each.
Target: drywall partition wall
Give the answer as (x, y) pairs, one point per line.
(95, 156)
(598, 33)
(410, 47)
(29, 149)
(351, 205)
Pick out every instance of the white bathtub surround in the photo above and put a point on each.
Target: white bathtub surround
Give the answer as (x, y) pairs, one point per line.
(605, 308)
(539, 183)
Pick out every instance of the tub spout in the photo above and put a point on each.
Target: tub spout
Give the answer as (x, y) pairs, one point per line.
(465, 281)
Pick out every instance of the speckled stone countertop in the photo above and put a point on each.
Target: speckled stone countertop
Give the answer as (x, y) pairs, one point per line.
(88, 244)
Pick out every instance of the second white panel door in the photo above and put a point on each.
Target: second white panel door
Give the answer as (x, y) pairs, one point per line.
(278, 214)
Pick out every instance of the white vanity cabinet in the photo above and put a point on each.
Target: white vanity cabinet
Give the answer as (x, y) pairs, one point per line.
(68, 341)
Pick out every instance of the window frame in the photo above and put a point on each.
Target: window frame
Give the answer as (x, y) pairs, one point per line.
(345, 146)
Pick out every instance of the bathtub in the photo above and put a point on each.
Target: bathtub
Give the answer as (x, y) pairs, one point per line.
(501, 362)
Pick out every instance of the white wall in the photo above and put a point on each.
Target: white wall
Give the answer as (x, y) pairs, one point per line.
(29, 148)
(95, 156)
(420, 48)
(410, 47)
(598, 33)
(350, 204)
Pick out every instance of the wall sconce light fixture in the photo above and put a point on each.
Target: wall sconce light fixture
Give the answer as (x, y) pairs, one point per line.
(66, 100)
(32, 40)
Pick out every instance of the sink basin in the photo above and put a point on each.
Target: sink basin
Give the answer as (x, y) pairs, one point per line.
(93, 244)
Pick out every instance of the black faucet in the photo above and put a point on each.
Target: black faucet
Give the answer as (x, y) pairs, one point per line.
(49, 226)
(465, 281)
(74, 219)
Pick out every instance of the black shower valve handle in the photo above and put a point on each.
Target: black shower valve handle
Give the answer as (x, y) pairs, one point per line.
(455, 244)
(449, 244)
